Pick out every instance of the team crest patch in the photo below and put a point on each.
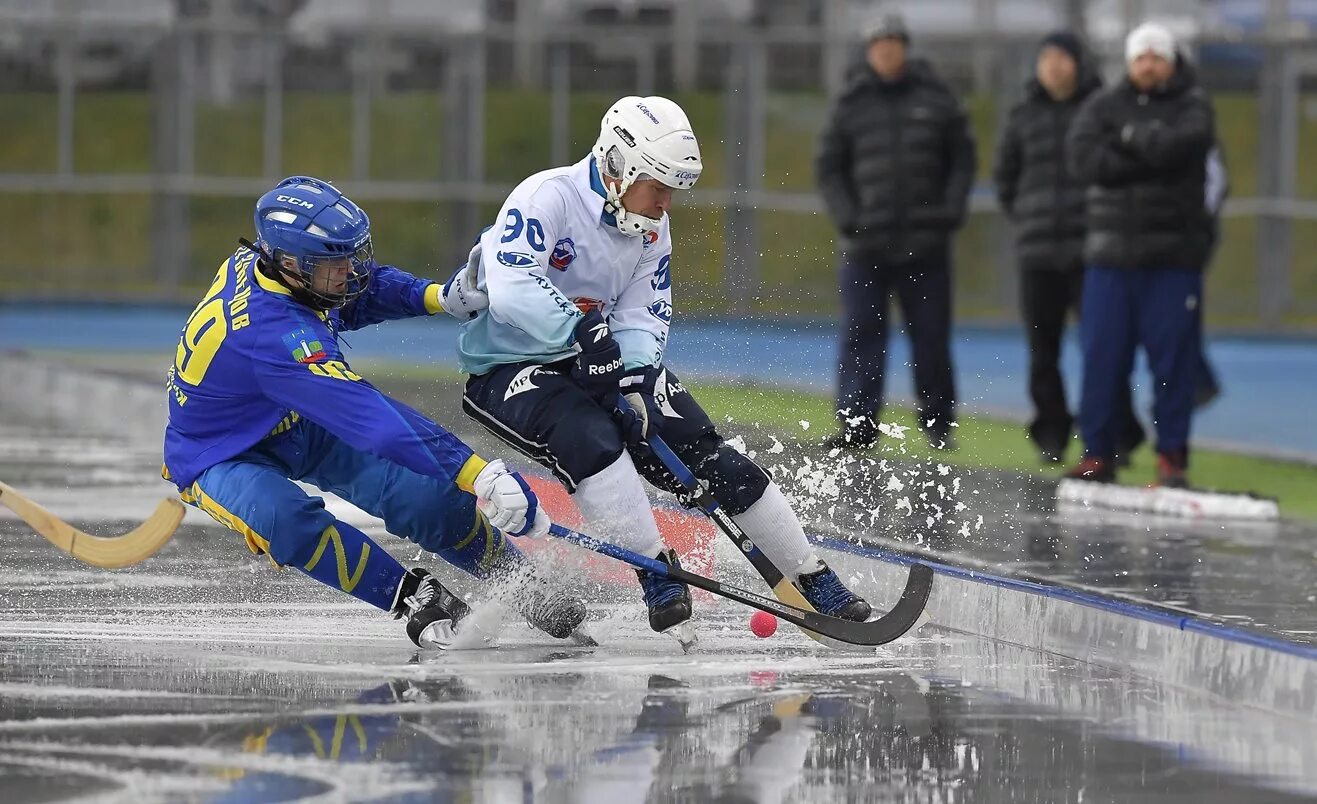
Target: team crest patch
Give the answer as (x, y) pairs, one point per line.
(564, 253)
(305, 346)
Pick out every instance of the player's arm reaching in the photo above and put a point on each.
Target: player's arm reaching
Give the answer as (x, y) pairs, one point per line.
(640, 324)
(330, 394)
(393, 293)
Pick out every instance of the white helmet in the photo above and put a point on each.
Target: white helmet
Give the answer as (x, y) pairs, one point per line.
(645, 137)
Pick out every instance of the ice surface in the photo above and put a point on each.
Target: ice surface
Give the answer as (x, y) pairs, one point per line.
(207, 674)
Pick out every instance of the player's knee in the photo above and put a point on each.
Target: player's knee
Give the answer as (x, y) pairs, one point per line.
(295, 536)
(735, 481)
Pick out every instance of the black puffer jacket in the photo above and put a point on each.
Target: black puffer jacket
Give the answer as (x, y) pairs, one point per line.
(1144, 158)
(1034, 184)
(896, 162)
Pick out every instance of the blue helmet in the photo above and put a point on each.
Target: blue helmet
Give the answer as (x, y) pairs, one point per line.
(305, 223)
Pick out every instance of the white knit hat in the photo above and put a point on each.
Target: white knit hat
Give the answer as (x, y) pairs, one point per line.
(1149, 38)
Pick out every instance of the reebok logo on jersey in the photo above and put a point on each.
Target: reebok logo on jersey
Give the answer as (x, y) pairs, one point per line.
(521, 383)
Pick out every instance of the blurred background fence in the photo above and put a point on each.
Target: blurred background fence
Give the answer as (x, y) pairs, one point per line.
(135, 134)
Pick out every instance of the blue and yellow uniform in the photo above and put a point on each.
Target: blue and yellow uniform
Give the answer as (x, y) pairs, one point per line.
(260, 395)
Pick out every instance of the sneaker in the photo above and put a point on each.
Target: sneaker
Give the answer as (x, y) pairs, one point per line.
(826, 593)
(1171, 470)
(550, 608)
(669, 601)
(1092, 468)
(431, 610)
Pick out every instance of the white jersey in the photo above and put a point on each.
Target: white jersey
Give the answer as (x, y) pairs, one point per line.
(555, 255)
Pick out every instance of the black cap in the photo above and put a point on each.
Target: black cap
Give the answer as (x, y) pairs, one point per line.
(889, 26)
(1067, 42)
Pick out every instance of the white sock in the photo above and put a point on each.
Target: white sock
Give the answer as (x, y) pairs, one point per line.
(772, 525)
(616, 505)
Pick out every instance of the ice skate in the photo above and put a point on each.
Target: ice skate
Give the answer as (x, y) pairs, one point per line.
(826, 593)
(433, 613)
(669, 602)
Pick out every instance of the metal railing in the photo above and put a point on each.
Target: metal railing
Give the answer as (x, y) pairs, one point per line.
(128, 172)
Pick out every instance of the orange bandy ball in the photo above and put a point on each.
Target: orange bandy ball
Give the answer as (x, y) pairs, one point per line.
(763, 624)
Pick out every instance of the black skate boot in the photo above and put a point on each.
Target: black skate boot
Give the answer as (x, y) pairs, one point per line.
(669, 601)
(825, 591)
(431, 610)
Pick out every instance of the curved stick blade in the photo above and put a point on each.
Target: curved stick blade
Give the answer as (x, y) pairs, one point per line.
(112, 552)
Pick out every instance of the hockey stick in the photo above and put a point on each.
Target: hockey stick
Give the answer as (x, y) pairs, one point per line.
(875, 632)
(133, 547)
(918, 585)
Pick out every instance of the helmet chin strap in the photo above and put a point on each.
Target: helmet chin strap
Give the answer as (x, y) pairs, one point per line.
(630, 224)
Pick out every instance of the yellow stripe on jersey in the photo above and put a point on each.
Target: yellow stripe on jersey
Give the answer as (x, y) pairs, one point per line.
(271, 285)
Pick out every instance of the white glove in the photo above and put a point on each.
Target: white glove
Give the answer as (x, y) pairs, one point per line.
(508, 502)
(461, 298)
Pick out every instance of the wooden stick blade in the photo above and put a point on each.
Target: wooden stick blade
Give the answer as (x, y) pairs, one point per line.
(113, 552)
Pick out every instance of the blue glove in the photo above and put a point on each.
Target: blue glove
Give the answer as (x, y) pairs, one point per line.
(641, 417)
(598, 368)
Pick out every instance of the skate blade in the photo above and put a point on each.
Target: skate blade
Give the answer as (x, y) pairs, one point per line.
(479, 629)
(685, 635)
(582, 639)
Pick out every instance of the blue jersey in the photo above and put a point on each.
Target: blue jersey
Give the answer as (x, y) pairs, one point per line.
(252, 359)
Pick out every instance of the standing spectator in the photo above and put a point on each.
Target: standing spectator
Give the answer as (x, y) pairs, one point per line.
(1046, 203)
(1142, 148)
(895, 166)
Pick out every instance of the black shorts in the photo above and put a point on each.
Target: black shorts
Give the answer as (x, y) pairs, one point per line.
(543, 413)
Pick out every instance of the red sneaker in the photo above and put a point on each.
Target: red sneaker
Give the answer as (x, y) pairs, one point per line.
(1171, 470)
(1094, 469)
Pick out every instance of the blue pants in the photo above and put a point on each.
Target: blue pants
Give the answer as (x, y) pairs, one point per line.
(254, 494)
(1159, 309)
(923, 289)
